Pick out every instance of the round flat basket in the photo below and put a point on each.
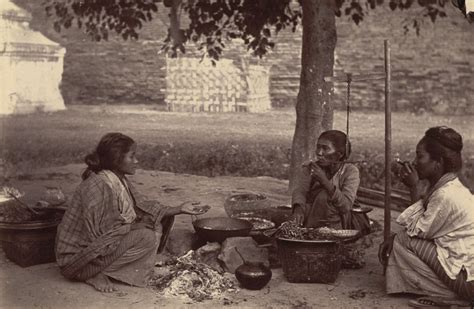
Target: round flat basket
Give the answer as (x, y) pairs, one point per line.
(344, 234)
(258, 224)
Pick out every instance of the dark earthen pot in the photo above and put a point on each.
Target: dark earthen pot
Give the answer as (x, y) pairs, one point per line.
(253, 276)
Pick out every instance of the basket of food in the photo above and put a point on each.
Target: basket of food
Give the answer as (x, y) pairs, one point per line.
(11, 209)
(308, 255)
(27, 233)
(259, 227)
(258, 224)
(246, 203)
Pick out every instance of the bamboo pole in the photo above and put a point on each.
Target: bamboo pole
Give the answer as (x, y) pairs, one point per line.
(388, 141)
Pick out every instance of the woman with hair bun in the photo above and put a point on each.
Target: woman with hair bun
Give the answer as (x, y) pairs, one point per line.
(109, 230)
(327, 188)
(434, 253)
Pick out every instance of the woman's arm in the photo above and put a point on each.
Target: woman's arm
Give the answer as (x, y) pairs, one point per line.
(435, 218)
(173, 211)
(301, 187)
(344, 196)
(300, 191)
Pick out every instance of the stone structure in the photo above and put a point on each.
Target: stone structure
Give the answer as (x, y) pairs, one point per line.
(433, 71)
(31, 65)
(195, 85)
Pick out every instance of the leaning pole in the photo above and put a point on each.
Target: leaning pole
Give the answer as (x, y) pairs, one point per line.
(388, 142)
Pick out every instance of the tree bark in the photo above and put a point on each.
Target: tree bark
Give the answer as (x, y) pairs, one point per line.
(175, 23)
(314, 108)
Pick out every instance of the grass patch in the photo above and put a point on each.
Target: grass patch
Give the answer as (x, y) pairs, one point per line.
(209, 144)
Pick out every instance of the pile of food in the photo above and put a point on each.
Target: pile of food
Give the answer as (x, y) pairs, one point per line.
(9, 192)
(194, 280)
(13, 208)
(258, 224)
(291, 230)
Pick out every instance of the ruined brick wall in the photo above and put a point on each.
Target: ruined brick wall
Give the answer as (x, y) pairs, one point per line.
(434, 71)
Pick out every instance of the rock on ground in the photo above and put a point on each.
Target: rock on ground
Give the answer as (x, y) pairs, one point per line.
(247, 247)
(181, 241)
(208, 255)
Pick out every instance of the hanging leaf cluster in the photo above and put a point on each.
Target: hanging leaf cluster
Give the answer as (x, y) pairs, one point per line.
(210, 24)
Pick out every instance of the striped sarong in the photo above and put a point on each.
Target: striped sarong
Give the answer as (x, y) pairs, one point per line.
(413, 267)
(426, 251)
(132, 262)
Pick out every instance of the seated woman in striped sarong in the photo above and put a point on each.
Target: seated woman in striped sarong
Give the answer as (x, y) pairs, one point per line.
(109, 230)
(434, 254)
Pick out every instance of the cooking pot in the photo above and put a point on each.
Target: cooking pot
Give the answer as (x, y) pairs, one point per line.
(252, 275)
(217, 229)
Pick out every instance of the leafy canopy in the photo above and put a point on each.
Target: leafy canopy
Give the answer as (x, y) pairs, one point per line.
(211, 23)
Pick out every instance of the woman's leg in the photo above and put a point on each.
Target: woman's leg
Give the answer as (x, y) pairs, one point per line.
(408, 273)
(135, 266)
(426, 250)
(137, 248)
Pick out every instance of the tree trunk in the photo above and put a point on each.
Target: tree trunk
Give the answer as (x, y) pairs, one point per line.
(314, 108)
(175, 23)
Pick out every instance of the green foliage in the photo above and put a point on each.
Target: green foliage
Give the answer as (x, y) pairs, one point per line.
(215, 159)
(250, 160)
(210, 23)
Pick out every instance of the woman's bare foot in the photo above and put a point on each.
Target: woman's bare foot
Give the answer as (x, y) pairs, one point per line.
(102, 283)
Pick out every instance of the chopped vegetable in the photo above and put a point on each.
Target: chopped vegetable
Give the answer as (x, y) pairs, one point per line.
(194, 280)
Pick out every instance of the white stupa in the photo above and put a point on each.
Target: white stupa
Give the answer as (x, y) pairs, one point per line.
(31, 65)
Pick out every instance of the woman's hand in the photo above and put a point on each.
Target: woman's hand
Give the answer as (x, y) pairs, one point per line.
(318, 173)
(385, 249)
(408, 175)
(193, 208)
(298, 215)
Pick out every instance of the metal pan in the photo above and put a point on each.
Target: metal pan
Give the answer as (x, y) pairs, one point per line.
(217, 229)
(362, 209)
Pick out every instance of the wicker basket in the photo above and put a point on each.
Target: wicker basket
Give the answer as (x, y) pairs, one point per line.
(28, 244)
(247, 204)
(311, 261)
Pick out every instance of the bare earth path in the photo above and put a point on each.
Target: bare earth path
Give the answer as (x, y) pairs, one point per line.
(42, 286)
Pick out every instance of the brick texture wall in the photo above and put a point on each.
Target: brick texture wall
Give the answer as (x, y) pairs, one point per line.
(434, 71)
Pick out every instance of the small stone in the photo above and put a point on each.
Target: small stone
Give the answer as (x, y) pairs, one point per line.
(352, 256)
(208, 255)
(247, 247)
(181, 241)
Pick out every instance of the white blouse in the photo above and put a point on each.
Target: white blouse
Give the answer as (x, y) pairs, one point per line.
(449, 221)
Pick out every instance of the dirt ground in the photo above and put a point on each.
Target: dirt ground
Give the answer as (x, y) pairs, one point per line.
(42, 286)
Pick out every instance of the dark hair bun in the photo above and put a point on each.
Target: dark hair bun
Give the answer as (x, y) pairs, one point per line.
(93, 161)
(447, 137)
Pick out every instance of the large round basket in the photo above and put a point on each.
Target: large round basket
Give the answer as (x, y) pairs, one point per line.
(29, 243)
(246, 204)
(315, 261)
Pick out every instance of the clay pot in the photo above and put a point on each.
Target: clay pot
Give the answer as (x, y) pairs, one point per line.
(253, 276)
